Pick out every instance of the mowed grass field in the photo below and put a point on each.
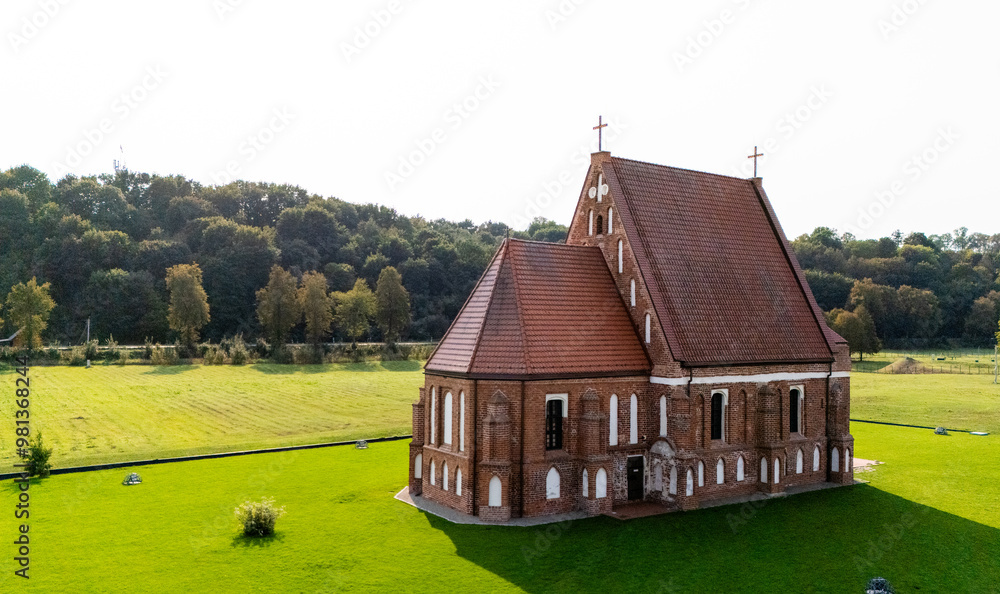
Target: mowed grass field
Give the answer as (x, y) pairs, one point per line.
(929, 521)
(969, 402)
(137, 412)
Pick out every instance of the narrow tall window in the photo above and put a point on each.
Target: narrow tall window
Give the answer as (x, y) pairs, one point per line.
(720, 472)
(552, 486)
(663, 416)
(458, 482)
(633, 420)
(739, 469)
(701, 473)
(620, 262)
(835, 460)
(586, 484)
(798, 462)
(647, 328)
(777, 471)
(590, 223)
(433, 415)
(600, 224)
(815, 458)
(611, 218)
(461, 422)
(601, 484)
(794, 397)
(763, 470)
(444, 476)
(631, 293)
(433, 474)
(673, 480)
(613, 421)
(495, 492)
(418, 466)
(717, 408)
(553, 425)
(446, 413)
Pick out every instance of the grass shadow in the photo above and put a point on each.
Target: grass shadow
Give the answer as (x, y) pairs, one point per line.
(829, 541)
(168, 369)
(257, 541)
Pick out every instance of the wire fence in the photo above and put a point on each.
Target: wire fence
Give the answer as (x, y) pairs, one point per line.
(968, 362)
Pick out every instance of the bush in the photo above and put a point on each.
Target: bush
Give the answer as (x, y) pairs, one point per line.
(282, 355)
(123, 357)
(262, 349)
(90, 350)
(111, 349)
(37, 462)
(148, 352)
(257, 518)
(215, 356)
(164, 356)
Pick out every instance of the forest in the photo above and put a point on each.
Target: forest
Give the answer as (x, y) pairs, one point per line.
(104, 244)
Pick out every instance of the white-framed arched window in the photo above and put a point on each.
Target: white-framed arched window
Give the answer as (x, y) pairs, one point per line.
(720, 399)
(777, 470)
(586, 483)
(418, 466)
(433, 474)
(621, 264)
(458, 482)
(701, 473)
(663, 416)
(461, 422)
(601, 484)
(446, 413)
(720, 472)
(633, 420)
(835, 460)
(815, 458)
(552, 484)
(799, 462)
(763, 470)
(740, 473)
(590, 223)
(434, 415)
(647, 328)
(631, 292)
(495, 492)
(673, 480)
(613, 420)
(847, 460)
(611, 218)
(689, 484)
(796, 401)
(444, 476)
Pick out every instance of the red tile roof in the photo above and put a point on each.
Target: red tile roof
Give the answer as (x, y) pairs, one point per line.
(723, 280)
(542, 310)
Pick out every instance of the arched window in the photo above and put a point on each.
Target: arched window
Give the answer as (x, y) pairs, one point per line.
(444, 476)
(835, 460)
(611, 220)
(613, 420)
(601, 484)
(590, 223)
(740, 475)
(647, 328)
(434, 415)
(552, 484)
(495, 492)
(689, 487)
(458, 482)
(720, 472)
(633, 420)
(663, 416)
(777, 470)
(586, 483)
(718, 416)
(600, 224)
(631, 292)
(621, 265)
(461, 422)
(701, 473)
(798, 462)
(418, 466)
(433, 474)
(795, 410)
(763, 470)
(847, 460)
(446, 413)
(554, 424)
(673, 480)
(658, 478)
(815, 458)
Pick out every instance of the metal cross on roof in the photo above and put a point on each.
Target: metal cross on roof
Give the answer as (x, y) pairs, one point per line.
(754, 157)
(600, 128)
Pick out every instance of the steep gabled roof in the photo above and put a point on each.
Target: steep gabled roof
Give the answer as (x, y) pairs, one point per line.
(542, 310)
(723, 280)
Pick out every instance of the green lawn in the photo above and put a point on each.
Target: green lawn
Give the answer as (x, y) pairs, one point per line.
(929, 521)
(970, 402)
(138, 412)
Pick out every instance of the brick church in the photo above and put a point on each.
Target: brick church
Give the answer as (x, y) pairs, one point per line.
(671, 352)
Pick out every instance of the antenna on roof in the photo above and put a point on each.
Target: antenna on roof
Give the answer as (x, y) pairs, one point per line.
(120, 163)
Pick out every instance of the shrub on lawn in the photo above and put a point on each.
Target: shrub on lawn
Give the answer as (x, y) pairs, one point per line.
(164, 356)
(37, 462)
(123, 357)
(215, 356)
(111, 349)
(257, 518)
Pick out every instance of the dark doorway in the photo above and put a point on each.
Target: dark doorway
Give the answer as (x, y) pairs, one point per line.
(634, 478)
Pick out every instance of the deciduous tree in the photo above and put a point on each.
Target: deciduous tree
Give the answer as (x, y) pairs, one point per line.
(278, 305)
(188, 311)
(317, 306)
(392, 304)
(355, 309)
(28, 307)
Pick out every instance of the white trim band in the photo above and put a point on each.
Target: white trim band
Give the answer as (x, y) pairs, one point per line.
(736, 379)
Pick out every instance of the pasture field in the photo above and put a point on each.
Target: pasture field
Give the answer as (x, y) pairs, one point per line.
(965, 361)
(928, 522)
(969, 402)
(111, 413)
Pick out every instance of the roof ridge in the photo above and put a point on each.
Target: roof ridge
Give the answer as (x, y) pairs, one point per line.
(501, 252)
(520, 313)
(681, 168)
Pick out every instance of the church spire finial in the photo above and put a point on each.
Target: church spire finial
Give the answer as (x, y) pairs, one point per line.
(600, 128)
(754, 157)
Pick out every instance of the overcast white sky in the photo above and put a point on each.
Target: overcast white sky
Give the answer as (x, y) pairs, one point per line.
(848, 99)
